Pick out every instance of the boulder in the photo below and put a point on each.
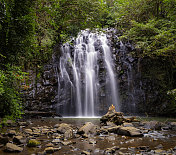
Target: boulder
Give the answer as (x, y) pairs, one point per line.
(19, 140)
(153, 125)
(116, 117)
(68, 134)
(129, 131)
(12, 148)
(4, 140)
(88, 128)
(63, 127)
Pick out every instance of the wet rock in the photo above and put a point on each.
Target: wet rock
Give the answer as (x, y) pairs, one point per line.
(110, 138)
(110, 124)
(63, 127)
(128, 125)
(85, 152)
(45, 131)
(144, 148)
(68, 134)
(88, 128)
(92, 141)
(19, 140)
(66, 142)
(4, 140)
(85, 136)
(28, 131)
(33, 143)
(49, 145)
(23, 123)
(115, 117)
(160, 146)
(111, 150)
(56, 141)
(129, 131)
(12, 148)
(173, 126)
(114, 129)
(50, 150)
(11, 133)
(153, 125)
(11, 123)
(159, 151)
(174, 149)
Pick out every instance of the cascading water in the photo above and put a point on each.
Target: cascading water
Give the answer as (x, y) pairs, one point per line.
(80, 76)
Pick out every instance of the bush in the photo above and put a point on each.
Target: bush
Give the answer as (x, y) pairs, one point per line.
(10, 85)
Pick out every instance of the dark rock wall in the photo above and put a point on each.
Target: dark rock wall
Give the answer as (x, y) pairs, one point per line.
(143, 83)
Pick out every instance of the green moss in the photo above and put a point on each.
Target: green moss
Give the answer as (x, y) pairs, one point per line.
(33, 143)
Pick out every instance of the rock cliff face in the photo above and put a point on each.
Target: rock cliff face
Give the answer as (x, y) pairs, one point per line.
(141, 82)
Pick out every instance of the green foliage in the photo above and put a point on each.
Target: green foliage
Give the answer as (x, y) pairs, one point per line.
(155, 38)
(10, 102)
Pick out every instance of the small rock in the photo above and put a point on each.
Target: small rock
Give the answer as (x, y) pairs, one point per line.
(50, 150)
(158, 151)
(111, 138)
(1, 145)
(111, 150)
(174, 149)
(10, 123)
(12, 148)
(146, 148)
(85, 152)
(28, 131)
(85, 136)
(173, 126)
(22, 123)
(4, 140)
(127, 124)
(56, 141)
(49, 145)
(19, 140)
(66, 143)
(11, 133)
(160, 146)
(92, 141)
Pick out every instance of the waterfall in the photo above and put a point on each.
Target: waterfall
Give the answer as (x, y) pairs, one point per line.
(80, 83)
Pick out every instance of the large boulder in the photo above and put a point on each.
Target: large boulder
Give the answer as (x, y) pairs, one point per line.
(63, 127)
(153, 125)
(12, 148)
(116, 117)
(129, 131)
(88, 128)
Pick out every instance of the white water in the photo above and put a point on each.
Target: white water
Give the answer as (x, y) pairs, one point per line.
(81, 69)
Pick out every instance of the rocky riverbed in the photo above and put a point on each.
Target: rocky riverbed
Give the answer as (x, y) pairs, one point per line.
(88, 136)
